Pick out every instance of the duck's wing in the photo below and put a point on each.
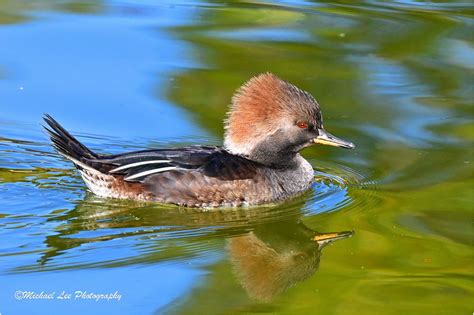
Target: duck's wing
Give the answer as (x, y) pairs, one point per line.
(210, 161)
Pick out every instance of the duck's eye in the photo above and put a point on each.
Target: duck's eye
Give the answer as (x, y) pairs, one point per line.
(302, 124)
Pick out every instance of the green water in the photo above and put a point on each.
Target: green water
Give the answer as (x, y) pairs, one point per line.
(394, 77)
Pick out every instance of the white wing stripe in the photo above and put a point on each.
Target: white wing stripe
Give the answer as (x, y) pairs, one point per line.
(83, 165)
(145, 173)
(123, 167)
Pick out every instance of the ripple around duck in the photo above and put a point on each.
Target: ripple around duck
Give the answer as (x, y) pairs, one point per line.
(83, 229)
(335, 187)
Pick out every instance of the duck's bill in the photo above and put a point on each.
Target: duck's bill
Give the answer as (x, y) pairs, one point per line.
(326, 238)
(326, 138)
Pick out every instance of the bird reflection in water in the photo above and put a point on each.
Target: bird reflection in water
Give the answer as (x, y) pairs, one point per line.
(270, 249)
(274, 257)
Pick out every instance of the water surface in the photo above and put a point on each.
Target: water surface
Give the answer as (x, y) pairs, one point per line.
(394, 77)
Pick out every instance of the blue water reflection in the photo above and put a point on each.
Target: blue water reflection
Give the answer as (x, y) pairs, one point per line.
(94, 70)
(394, 77)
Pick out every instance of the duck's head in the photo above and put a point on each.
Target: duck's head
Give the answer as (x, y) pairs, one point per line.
(270, 120)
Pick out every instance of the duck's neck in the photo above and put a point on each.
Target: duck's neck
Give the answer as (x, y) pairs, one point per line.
(291, 181)
(277, 160)
(274, 151)
(288, 173)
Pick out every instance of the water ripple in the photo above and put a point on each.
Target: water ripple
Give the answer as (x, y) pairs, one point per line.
(74, 229)
(337, 187)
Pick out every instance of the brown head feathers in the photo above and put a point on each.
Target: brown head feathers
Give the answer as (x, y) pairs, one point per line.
(263, 105)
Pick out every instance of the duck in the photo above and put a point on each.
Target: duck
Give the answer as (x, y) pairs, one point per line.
(268, 123)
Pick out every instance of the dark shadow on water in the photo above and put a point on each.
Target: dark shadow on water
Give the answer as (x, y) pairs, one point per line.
(96, 220)
(269, 248)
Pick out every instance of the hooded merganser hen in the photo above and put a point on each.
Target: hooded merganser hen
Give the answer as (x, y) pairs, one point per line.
(269, 122)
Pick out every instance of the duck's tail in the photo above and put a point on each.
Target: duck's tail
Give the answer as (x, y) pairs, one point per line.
(70, 147)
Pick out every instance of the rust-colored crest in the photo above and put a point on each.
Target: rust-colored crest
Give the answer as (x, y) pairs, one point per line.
(260, 106)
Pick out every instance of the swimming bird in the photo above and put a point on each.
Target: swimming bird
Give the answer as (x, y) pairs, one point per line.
(269, 122)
